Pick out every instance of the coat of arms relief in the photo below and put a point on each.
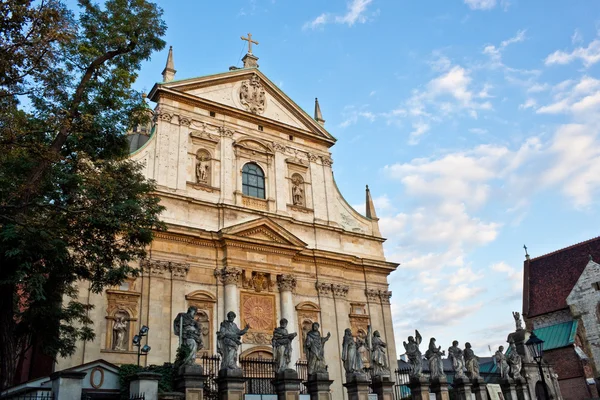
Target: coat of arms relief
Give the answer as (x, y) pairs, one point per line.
(252, 95)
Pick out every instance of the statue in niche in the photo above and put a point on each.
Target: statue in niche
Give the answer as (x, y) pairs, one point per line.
(471, 361)
(120, 330)
(500, 360)
(434, 356)
(189, 332)
(455, 354)
(282, 346)
(297, 191)
(415, 358)
(229, 340)
(314, 348)
(517, 318)
(379, 361)
(203, 168)
(514, 361)
(350, 355)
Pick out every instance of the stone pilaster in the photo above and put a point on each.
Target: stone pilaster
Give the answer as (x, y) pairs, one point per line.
(230, 277)
(287, 385)
(522, 389)
(318, 386)
(383, 387)
(439, 386)
(67, 385)
(190, 380)
(357, 386)
(462, 389)
(231, 384)
(479, 389)
(142, 382)
(419, 388)
(287, 286)
(508, 389)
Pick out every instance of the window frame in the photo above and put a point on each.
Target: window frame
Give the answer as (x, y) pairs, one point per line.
(248, 188)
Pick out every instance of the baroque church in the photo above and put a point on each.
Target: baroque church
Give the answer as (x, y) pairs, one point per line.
(256, 225)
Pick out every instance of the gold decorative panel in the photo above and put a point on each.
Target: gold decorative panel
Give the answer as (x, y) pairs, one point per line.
(258, 310)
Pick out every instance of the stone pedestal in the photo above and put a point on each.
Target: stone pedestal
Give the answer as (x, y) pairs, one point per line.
(146, 383)
(479, 389)
(357, 386)
(508, 389)
(67, 385)
(439, 386)
(190, 381)
(522, 389)
(462, 388)
(287, 385)
(419, 388)
(231, 384)
(383, 387)
(318, 386)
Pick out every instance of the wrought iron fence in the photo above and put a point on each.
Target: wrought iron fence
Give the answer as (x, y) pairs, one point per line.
(259, 373)
(137, 396)
(30, 396)
(210, 364)
(401, 389)
(302, 370)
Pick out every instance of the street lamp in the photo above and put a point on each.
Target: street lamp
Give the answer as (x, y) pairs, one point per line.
(137, 342)
(536, 348)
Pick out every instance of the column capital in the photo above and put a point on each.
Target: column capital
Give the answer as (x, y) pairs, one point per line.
(286, 282)
(229, 275)
(340, 291)
(324, 289)
(372, 294)
(385, 296)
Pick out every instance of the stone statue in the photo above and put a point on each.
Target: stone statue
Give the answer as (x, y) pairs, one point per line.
(297, 192)
(434, 356)
(120, 333)
(514, 361)
(415, 358)
(314, 348)
(350, 354)
(282, 346)
(471, 361)
(379, 362)
(517, 318)
(455, 354)
(228, 341)
(189, 332)
(202, 169)
(363, 351)
(501, 363)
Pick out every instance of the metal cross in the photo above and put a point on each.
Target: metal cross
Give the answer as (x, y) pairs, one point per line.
(250, 41)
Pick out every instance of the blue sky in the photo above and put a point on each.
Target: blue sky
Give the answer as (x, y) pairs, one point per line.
(474, 122)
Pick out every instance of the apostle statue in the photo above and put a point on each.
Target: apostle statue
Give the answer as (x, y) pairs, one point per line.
(282, 346)
(120, 333)
(202, 169)
(228, 341)
(514, 361)
(314, 347)
(517, 318)
(297, 193)
(415, 358)
(350, 354)
(500, 360)
(471, 361)
(189, 332)
(379, 361)
(455, 354)
(434, 356)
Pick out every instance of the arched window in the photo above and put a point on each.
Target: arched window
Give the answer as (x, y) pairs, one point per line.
(253, 181)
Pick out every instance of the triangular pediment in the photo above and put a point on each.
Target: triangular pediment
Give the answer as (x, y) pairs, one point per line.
(262, 230)
(250, 93)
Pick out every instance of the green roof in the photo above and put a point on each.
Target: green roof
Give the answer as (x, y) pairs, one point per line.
(558, 335)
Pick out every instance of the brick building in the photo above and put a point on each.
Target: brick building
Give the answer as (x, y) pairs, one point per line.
(561, 299)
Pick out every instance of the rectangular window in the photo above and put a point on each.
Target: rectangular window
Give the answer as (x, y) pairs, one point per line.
(213, 114)
(260, 127)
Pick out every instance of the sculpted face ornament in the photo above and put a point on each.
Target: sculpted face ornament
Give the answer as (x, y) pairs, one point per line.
(252, 95)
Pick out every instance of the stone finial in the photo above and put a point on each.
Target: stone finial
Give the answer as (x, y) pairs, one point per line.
(526, 253)
(318, 115)
(370, 211)
(250, 61)
(169, 71)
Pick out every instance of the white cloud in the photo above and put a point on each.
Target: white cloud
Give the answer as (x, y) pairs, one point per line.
(577, 37)
(580, 98)
(529, 103)
(419, 128)
(356, 13)
(495, 53)
(514, 277)
(352, 114)
(478, 131)
(589, 55)
(481, 4)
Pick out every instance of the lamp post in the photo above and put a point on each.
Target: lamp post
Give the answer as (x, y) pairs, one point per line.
(536, 348)
(137, 341)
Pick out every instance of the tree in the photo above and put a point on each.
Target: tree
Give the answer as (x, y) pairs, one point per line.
(73, 208)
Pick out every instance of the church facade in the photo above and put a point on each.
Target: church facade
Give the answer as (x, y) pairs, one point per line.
(256, 225)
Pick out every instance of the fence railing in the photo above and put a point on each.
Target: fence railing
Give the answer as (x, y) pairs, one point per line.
(137, 396)
(259, 373)
(30, 396)
(210, 364)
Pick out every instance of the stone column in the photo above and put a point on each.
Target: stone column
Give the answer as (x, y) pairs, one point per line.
(287, 385)
(332, 346)
(357, 386)
(231, 384)
(462, 388)
(318, 386)
(230, 276)
(479, 388)
(383, 387)
(522, 389)
(508, 389)
(340, 293)
(67, 385)
(229, 173)
(439, 386)
(287, 285)
(143, 382)
(419, 388)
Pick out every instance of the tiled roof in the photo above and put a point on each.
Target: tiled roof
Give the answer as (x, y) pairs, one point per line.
(558, 335)
(552, 276)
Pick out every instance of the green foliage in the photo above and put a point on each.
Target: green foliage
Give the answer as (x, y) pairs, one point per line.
(183, 352)
(165, 384)
(73, 208)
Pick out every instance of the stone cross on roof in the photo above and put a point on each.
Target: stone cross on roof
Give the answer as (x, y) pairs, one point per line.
(250, 41)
